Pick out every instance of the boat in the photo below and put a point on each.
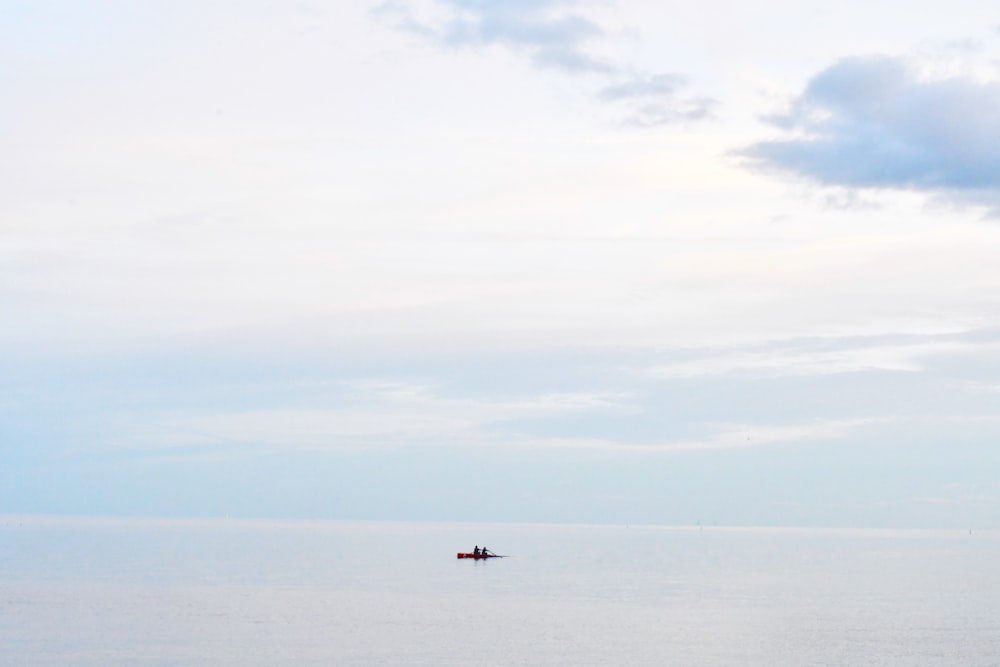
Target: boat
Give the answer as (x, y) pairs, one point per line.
(478, 556)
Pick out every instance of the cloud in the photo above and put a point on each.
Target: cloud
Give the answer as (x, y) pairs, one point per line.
(656, 100)
(739, 436)
(717, 437)
(874, 122)
(376, 414)
(658, 85)
(553, 40)
(373, 414)
(548, 31)
(799, 361)
(670, 111)
(554, 35)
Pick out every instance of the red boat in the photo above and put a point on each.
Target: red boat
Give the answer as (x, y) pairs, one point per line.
(479, 556)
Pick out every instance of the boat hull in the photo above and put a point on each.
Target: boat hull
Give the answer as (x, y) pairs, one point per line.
(477, 556)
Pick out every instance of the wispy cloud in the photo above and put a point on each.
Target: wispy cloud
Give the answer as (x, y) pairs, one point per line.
(738, 436)
(549, 32)
(799, 360)
(555, 35)
(376, 414)
(551, 37)
(657, 85)
(716, 437)
(389, 414)
(876, 122)
(657, 100)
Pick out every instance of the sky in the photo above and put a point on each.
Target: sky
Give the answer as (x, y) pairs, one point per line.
(618, 261)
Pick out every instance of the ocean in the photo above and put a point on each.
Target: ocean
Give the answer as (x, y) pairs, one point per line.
(227, 593)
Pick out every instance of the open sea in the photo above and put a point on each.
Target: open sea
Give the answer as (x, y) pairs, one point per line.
(86, 592)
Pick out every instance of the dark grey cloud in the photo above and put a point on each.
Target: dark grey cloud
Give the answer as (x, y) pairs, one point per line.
(873, 123)
(553, 34)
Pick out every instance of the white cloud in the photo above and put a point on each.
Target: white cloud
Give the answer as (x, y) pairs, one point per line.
(377, 414)
(778, 361)
(717, 437)
(738, 436)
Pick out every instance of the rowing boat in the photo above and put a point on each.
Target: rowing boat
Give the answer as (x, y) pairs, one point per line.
(478, 556)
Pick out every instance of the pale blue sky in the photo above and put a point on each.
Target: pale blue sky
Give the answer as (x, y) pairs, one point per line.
(528, 261)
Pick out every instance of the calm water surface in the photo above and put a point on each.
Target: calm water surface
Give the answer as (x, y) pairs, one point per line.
(87, 592)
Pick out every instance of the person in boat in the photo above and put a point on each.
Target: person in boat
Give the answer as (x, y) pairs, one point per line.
(475, 552)
(484, 552)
